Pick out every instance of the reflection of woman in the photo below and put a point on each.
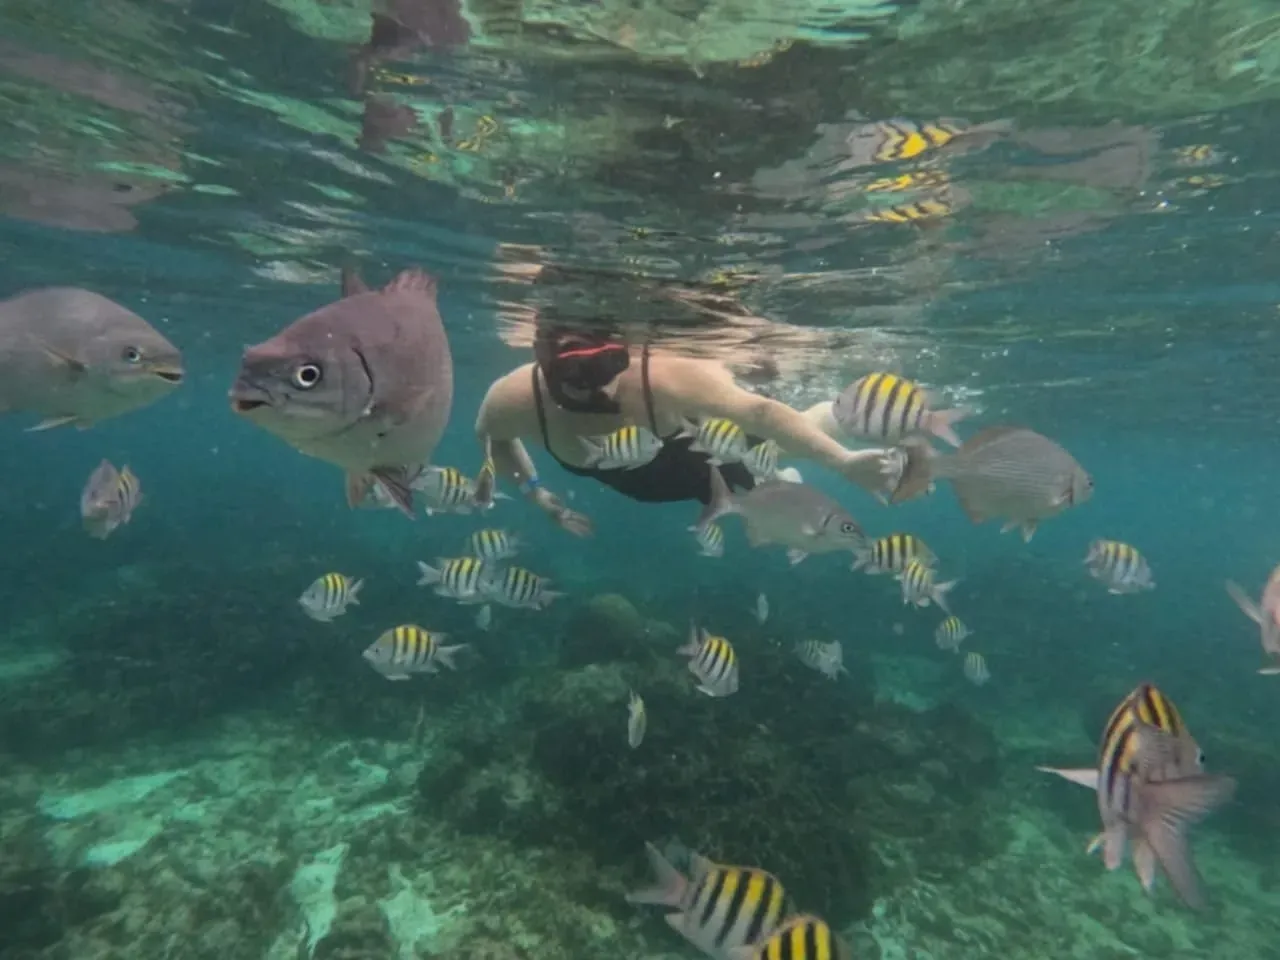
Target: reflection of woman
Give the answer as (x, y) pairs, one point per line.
(586, 384)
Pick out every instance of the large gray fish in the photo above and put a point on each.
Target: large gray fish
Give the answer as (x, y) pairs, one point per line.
(75, 357)
(798, 516)
(365, 383)
(1005, 472)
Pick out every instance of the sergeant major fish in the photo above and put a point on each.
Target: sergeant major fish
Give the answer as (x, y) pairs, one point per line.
(722, 440)
(711, 539)
(329, 596)
(492, 545)
(762, 460)
(919, 587)
(887, 408)
(892, 553)
(975, 669)
(1266, 614)
(719, 908)
(457, 578)
(1120, 566)
(409, 649)
(951, 633)
(626, 448)
(517, 587)
(803, 937)
(71, 356)
(365, 383)
(713, 661)
(796, 515)
(449, 490)
(108, 500)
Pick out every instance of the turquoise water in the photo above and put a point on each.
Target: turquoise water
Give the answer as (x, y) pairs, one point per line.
(190, 768)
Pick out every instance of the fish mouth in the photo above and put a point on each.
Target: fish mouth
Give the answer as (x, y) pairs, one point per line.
(172, 375)
(240, 405)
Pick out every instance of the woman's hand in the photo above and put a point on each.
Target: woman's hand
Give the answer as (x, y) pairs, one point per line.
(578, 524)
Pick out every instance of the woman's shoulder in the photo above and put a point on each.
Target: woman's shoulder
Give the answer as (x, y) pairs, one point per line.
(510, 395)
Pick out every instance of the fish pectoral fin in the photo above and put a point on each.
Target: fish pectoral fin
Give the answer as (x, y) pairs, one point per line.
(73, 366)
(1087, 777)
(795, 555)
(1028, 530)
(1169, 808)
(394, 482)
(50, 422)
(397, 676)
(1243, 601)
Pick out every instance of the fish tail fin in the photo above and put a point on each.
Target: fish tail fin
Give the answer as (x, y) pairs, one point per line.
(940, 591)
(413, 281)
(720, 502)
(1268, 671)
(941, 422)
(593, 451)
(694, 643)
(669, 884)
(395, 481)
(352, 283)
(547, 597)
(429, 575)
(1170, 807)
(861, 556)
(1251, 609)
(687, 429)
(917, 470)
(353, 591)
(445, 655)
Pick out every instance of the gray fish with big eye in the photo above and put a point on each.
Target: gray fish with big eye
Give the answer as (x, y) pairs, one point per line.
(365, 383)
(796, 515)
(72, 356)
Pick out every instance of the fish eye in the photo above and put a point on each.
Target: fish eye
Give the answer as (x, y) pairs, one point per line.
(848, 527)
(1200, 757)
(307, 376)
(131, 355)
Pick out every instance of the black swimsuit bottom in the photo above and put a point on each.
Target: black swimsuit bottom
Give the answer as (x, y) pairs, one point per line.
(676, 473)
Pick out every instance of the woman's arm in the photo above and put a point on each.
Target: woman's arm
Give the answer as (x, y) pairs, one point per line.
(692, 388)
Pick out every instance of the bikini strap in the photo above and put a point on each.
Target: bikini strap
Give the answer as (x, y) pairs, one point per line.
(645, 389)
(542, 413)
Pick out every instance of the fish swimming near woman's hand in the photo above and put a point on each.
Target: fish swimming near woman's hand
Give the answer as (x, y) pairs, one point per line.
(365, 383)
(74, 357)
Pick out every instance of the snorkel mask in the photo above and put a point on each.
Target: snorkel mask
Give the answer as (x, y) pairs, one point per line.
(577, 365)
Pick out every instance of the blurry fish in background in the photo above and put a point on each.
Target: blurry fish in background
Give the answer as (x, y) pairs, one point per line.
(108, 500)
(636, 720)
(887, 408)
(893, 141)
(1120, 566)
(1005, 472)
(826, 658)
(890, 554)
(485, 127)
(711, 539)
(713, 661)
(761, 610)
(720, 908)
(1198, 155)
(919, 588)
(95, 202)
(722, 440)
(762, 460)
(365, 383)
(409, 649)
(626, 448)
(975, 669)
(1265, 613)
(401, 27)
(449, 490)
(1151, 788)
(457, 578)
(74, 357)
(517, 587)
(795, 515)
(484, 618)
(384, 119)
(329, 596)
(492, 545)
(803, 937)
(951, 633)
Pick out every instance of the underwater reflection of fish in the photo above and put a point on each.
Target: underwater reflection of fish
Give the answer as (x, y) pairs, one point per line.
(400, 27)
(712, 660)
(74, 357)
(383, 119)
(719, 908)
(108, 500)
(1120, 566)
(1151, 788)
(795, 515)
(1266, 614)
(408, 649)
(329, 596)
(1005, 472)
(365, 383)
(891, 141)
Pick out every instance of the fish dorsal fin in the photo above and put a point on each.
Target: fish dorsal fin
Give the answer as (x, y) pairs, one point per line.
(60, 358)
(413, 281)
(351, 283)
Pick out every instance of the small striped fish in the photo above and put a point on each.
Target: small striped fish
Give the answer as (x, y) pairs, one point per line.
(446, 490)
(108, 500)
(517, 587)
(711, 539)
(917, 211)
(826, 658)
(919, 587)
(762, 460)
(636, 720)
(624, 449)
(723, 441)
(329, 596)
(802, 937)
(492, 545)
(457, 578)
(721, 909)
(887, 408)
(909, 181)
(975, 669)
(712, 661)
(906, 139)
(890, 554)
(409, 649)
(951, 633)
(1118, 565)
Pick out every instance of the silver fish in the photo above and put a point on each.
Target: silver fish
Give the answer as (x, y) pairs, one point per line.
(796, 515)
(449, 490)
(74, 357)
(1002, 472)
(637, 721)
(761, 610)
(484, 619)
(108, 500)
(1266, 614)
(826, 658)
(365, 383)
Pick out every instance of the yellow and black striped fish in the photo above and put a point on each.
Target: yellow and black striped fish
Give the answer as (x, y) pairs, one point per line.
(722, 440)
(906, 139)
(492, 545)
(711, 539)
(920, 586)
(409, 649)
(975, 669)
(951, 633)
(804, 937)
(329, 596)
(713, 661)
(446, 490)
(1120, 566)
(517, 587)
(108, 499)
(918, 211)
(919, 179)
(457, 578)
(890, 554)
(625, 449)
(721, 908)
(888, 408)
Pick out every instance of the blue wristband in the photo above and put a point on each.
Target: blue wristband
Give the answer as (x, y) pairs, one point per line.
(529, 485)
